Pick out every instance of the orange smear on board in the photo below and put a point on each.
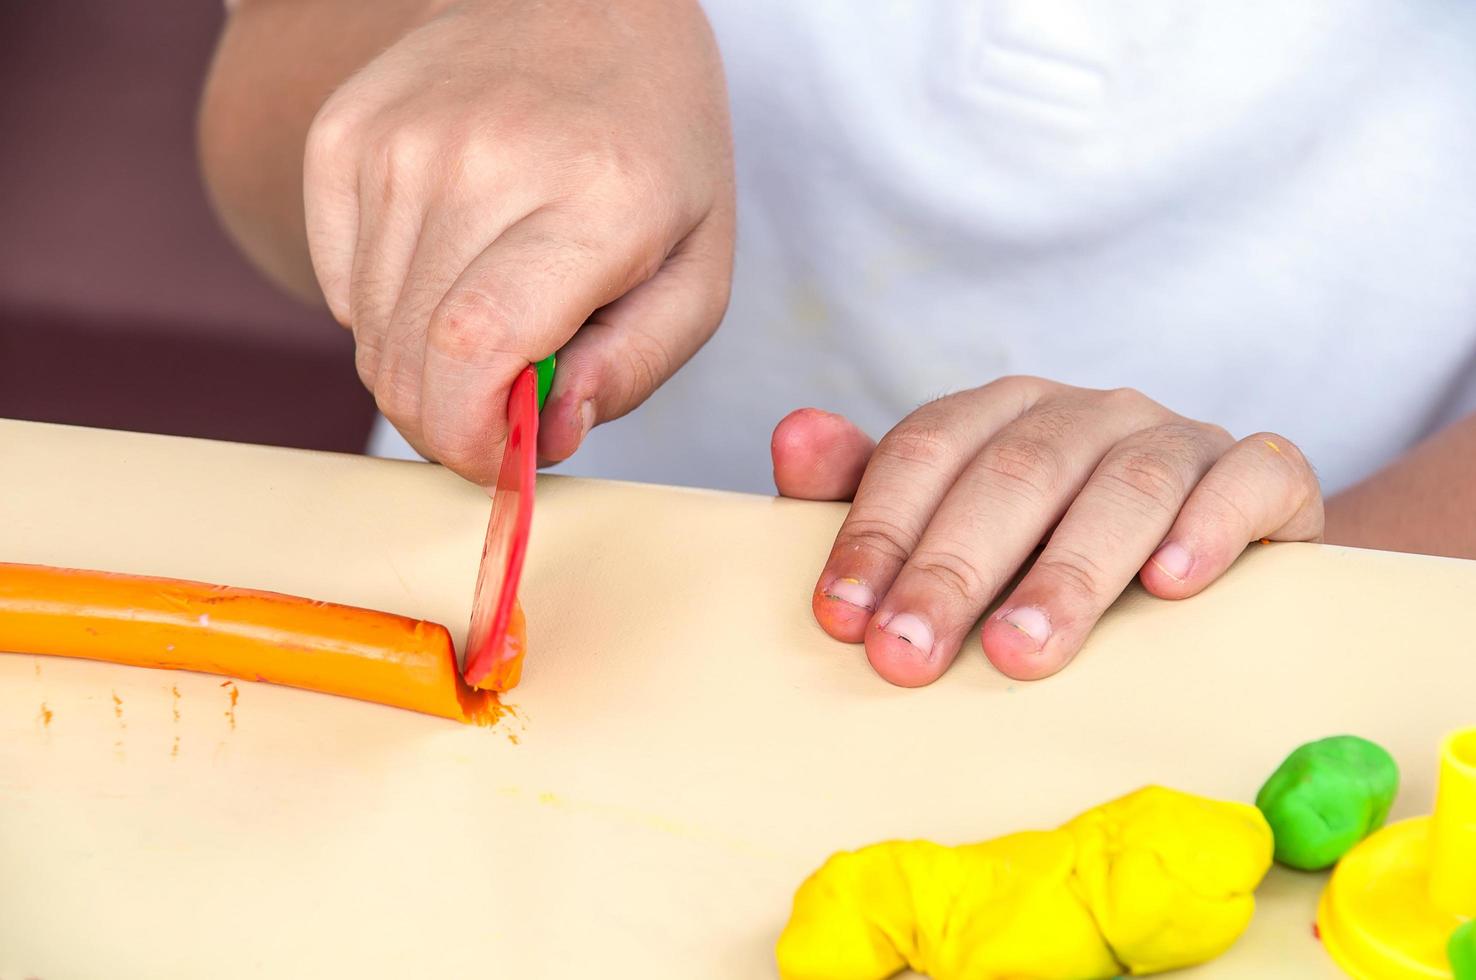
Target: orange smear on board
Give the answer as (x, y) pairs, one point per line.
(239, 633)
(235, 696)
(45, 715)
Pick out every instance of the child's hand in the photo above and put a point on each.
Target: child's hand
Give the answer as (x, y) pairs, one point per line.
(499, 176)
(953, 501)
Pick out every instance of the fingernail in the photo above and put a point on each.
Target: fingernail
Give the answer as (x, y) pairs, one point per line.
(1032, 622)
(911, 628)
(852, 591)
(586, 418)
(1174, 561)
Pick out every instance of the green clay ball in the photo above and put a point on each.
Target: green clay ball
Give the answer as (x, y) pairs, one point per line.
(1462, 952)
(1327, 796)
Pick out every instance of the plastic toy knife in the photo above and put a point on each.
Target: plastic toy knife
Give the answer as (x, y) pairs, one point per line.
(494, 643)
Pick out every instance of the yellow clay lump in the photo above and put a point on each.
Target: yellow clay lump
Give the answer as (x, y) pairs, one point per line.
(1153, 881)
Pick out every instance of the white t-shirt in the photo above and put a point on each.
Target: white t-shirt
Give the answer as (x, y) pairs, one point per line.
(1262, 214)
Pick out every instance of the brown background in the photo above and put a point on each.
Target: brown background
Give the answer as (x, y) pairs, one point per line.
(122, 303)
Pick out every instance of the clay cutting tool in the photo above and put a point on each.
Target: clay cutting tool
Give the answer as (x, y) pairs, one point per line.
(494, 642)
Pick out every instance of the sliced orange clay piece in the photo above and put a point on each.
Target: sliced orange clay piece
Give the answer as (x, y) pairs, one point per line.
(243, 633)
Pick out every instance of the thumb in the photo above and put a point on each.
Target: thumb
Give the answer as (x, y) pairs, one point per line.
(513, 304)
(819, 455)
(629, 348)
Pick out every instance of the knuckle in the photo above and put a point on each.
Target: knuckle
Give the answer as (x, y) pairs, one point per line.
(1018, 388)
(1227, 498)
(1282, 447)
(1078, 576)
(1149, 479)
(1216, 435)
(468, 323)
(1132, 403)
(404, 150)
(876, 535)
(1123, 396)
(1015, 382)
(369, 292)
(1181, 439)
(918, 442)
(646, 362)
(475, 157)
(637, 239)
(1050, 422)
(711, 304)
(1298, 478)
(396, 399)
(953, 574)
(614, 173)
(330, 137)
(639, 256)
(366, 363)
(1022, 464)
(647, 260)
(455, 449)
(564, 254)
(717, 294)
(396, 159)
(609, 172)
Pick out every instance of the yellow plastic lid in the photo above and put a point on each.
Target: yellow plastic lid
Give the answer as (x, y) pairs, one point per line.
(1394, 900)
(1375, 916)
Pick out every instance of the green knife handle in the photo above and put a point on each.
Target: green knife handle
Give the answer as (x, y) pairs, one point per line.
(545, 369)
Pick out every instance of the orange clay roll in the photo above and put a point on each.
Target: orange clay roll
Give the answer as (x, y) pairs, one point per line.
(256, 636)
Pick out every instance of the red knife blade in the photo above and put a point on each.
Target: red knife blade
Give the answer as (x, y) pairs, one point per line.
(493, 650)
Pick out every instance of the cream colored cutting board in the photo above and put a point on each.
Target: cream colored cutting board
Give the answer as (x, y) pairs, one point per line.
(688, 745)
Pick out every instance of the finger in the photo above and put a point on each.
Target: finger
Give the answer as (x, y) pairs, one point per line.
(1262, 488)
(516, 303)
(390, 217)
(819, 455)
(908, 475)
(331, 204)
(1106, 535)
(1001, 506)
(452, 235)
(630, 347)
